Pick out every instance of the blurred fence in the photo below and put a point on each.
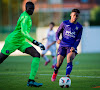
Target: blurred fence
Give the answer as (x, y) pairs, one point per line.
(11, 9)
(9, 29)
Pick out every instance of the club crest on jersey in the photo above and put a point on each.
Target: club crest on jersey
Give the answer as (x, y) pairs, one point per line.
(76, 28)
(7, 51)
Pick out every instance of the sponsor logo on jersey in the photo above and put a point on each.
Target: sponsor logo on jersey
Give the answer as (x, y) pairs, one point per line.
(67, 25)
(70, 34)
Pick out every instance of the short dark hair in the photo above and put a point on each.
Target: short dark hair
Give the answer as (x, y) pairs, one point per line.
(76, 10)
(52, 23)
(29, 3)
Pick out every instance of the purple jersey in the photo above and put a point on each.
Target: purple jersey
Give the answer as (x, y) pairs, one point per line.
(71, 34)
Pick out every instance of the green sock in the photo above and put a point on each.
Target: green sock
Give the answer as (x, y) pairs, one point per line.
(34, 67)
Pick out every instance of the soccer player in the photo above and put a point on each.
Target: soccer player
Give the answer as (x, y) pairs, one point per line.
(50, 45)
(71, 35)
(16, 40)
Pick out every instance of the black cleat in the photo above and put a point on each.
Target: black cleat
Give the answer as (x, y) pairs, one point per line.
(33, 83)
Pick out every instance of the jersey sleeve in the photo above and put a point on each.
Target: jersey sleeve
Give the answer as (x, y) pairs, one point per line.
(60, 30)
(78, 38)
(24, 28)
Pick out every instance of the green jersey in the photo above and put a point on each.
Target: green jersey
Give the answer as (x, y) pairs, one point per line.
(22, 30)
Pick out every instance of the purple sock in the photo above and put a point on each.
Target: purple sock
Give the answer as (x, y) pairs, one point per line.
(69, 68)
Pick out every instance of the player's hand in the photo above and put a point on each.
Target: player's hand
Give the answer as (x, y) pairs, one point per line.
(58, 41)
(43, 39)
(72, 49)
(41, 46)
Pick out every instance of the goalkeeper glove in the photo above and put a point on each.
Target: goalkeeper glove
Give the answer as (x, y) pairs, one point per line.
(39, 44)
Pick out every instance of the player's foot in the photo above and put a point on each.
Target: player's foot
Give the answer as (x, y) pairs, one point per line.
(46, 63)
(53, 78)
(33, 83)
(53, 66)
(67, 76)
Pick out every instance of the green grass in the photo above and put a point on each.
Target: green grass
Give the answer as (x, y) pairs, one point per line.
(14, 73)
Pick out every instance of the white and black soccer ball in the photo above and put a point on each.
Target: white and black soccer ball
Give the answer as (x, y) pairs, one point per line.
(64, 82)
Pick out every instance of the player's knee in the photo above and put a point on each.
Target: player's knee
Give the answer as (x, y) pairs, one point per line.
(37, 54)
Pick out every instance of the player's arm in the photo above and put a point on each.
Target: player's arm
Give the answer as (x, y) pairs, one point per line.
(60, 29)
(78, 38)
(44, 38)
(24, 28)
(51, 44)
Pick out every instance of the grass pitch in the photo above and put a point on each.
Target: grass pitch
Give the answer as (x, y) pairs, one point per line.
(14, 73)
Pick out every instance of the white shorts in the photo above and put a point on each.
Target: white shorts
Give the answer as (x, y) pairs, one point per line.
(52, 49)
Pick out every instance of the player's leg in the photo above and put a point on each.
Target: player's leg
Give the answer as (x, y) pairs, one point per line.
(45, 57)
(53, 53)
(35, 63)
(60, 57)
(7, 49)
(70, 57)
(53, 61)
(29, 49)
(34, 66)
(3, 57)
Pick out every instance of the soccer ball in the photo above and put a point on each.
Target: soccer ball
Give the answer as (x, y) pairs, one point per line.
(64, 82)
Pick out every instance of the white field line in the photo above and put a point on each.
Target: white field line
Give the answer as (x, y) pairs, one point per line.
(50, 75)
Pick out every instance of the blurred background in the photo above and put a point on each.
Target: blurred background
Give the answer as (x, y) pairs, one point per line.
(56, 11)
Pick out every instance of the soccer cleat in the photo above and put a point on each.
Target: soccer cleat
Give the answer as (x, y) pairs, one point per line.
(33, 83)
(53, 66)
(53, 78)
(46, 63)
(68, 76)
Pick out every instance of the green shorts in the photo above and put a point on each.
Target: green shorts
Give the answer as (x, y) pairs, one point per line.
(8, 48)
